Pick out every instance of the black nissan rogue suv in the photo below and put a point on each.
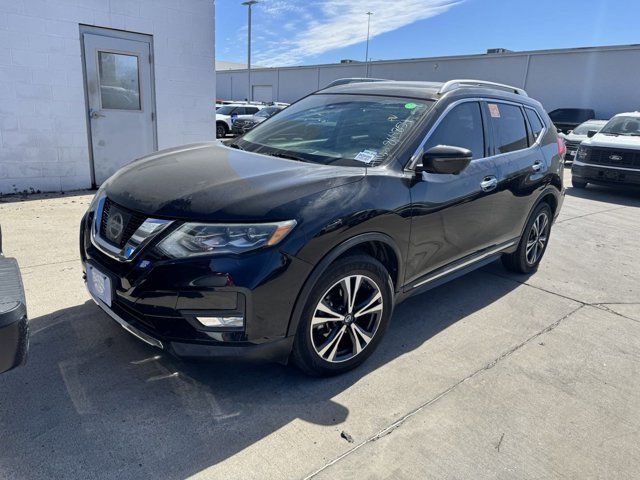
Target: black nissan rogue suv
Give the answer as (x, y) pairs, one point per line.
(296, 240)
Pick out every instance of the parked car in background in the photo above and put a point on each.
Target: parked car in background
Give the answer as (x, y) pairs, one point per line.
(296, 240)
(569, 118)
(241, 126)
(610, 156)
(573, 138)
(228, 114)
(14, 326)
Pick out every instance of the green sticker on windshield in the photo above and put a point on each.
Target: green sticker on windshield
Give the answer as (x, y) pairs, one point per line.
(410, 105)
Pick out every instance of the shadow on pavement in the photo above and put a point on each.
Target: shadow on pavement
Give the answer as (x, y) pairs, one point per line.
(94, 402)
(620, 195)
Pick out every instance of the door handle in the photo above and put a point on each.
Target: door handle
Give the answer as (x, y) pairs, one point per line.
(489, 183)
(536, 166)
(95, 114)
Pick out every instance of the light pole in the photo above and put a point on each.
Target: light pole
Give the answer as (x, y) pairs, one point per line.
(366, 55)
(249, 4)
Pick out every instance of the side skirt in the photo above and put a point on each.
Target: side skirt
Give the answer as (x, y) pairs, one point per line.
(457, 269)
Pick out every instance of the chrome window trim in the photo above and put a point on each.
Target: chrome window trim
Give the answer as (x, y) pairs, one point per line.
(595, 165)
(410, 167)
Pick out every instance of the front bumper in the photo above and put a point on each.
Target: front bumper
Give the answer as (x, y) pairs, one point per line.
(241, 129)
(159, 300)
(605, 174)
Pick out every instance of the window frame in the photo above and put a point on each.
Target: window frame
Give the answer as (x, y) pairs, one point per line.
(530, 127)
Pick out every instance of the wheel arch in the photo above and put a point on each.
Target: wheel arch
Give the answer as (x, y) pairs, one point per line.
(378, 245)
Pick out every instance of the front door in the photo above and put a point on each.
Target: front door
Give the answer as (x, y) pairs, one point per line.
(455, 215)
(120, 100)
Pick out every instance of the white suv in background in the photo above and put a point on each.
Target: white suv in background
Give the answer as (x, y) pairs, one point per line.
(227, 114)
(610, 156)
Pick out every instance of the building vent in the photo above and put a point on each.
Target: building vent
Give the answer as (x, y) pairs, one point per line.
(499, 50)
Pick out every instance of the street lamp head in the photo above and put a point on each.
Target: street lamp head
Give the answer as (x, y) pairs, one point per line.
(250, 2)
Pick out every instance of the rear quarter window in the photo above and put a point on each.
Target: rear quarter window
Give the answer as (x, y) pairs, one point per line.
(535, 123)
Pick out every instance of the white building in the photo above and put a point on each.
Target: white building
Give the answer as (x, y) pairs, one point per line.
(89, 85)
(601, 78)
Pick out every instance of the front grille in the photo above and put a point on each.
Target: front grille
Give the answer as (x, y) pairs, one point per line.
(603, 156)
(133, 221)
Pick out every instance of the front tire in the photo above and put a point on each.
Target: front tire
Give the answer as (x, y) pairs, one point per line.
(221, 130)
(344, 318)
(533, 243)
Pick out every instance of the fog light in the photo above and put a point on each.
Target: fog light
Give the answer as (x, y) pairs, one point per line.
(222, 322)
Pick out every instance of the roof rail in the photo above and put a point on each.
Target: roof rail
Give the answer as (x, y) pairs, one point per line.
(461, 83)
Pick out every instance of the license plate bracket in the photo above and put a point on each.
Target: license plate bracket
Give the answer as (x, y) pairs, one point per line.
(99, 285)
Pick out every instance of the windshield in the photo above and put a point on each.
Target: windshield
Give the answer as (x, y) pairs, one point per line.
(354, 130)
(226, 110)
(266, 112)
(623, 125)
(584, 128)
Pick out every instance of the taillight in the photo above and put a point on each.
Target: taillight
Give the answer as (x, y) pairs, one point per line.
(562, 147)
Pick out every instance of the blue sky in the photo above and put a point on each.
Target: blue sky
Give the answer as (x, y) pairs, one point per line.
(303, 32)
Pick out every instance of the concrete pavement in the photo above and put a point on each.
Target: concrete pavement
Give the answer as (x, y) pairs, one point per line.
(494, 375)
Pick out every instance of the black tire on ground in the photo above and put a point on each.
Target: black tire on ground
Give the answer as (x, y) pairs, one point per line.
(533, 243)
(578, 183)
(319, 349)
(221, 130)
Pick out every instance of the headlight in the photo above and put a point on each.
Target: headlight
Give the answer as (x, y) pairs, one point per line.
(192, 239)
(582, 152)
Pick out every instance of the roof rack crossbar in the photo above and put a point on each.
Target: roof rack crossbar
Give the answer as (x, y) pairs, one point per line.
(461, 83)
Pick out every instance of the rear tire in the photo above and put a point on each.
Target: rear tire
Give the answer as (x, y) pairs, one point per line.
(344, 318)
(578, 183)
(533, 243)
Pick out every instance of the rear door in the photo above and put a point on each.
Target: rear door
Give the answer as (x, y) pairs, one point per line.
(520, 162)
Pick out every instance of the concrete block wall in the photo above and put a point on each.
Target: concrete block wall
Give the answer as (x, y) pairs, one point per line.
(43, 128)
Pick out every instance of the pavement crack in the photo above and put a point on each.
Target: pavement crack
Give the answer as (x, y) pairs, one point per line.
(605, 307)
(398, 423)
(589, 214)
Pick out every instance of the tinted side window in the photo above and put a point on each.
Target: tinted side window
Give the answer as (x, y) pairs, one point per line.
(509, 127)
(534, 121)
(251, 110)
(462, 127)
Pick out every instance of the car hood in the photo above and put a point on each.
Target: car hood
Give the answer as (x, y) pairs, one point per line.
(213, 182)
(572, 137)
(609, 141)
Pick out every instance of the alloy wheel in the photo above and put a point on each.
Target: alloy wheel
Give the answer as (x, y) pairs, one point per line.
(346, 318)
(537, 239)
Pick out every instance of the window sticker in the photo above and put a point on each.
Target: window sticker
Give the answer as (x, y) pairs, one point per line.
(366, 156)
(494, 110)
(410, 106)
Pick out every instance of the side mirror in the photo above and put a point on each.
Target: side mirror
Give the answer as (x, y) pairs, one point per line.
(569, 132)
(445, 159)
(591, 133)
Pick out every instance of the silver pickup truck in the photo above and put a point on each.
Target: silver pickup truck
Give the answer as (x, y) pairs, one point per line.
(14, 326)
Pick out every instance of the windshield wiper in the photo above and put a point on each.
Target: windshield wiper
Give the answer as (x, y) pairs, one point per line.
(610, 134)
(288, 156)
(235, 145)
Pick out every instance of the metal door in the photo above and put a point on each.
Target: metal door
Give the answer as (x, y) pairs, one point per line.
(120, 101)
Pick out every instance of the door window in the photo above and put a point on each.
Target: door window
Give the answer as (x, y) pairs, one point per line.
(251, 110)
(462, 127)
(509, 127)
(119, 81)
(535, 123)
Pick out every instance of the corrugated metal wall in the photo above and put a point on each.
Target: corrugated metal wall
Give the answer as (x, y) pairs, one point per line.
(602, 78)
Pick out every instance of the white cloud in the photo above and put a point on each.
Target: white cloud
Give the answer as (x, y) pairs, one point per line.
(298, 29)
